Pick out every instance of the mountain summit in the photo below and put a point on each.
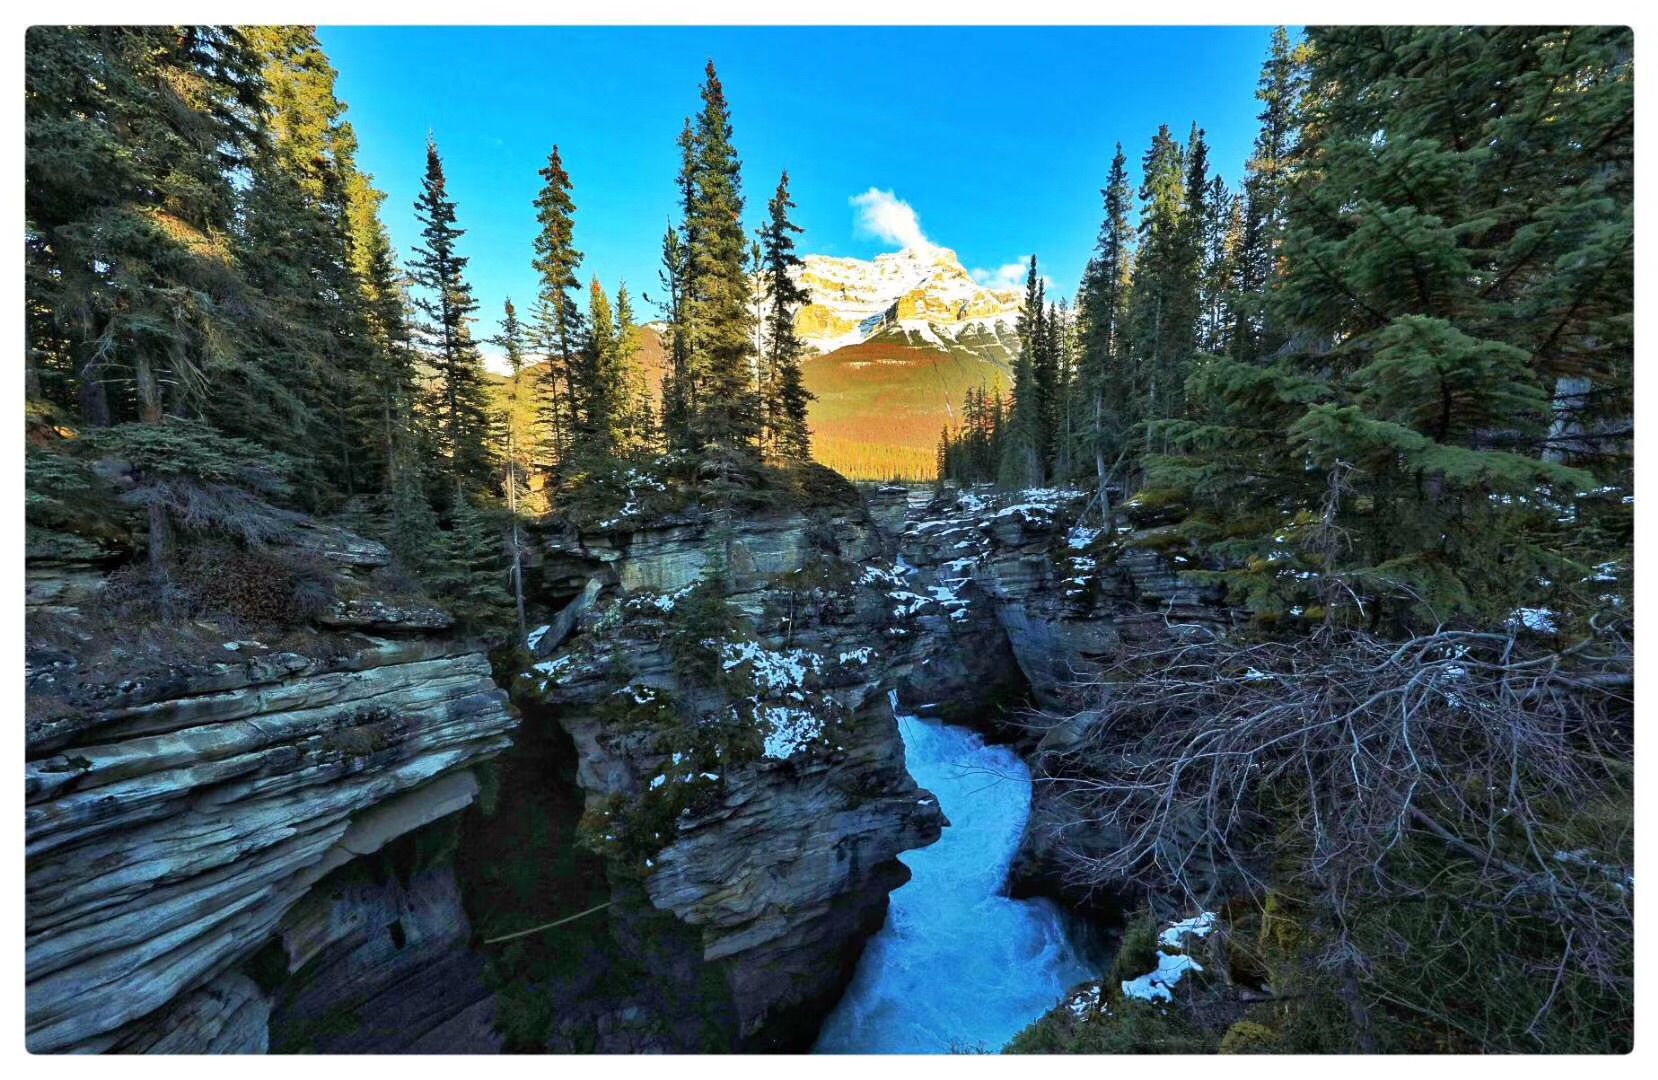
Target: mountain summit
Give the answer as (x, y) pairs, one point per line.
(921, 296)
(900, 339)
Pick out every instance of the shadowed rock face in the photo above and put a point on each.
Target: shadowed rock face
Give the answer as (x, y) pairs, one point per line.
(177, 817)
(218, 851)
(774, 854)
(770, 858)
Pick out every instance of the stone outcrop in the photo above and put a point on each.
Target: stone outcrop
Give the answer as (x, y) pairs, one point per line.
(744, 777)
(178, 815)
(1066, 597)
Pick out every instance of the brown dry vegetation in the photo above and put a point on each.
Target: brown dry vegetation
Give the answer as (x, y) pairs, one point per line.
(880, 406)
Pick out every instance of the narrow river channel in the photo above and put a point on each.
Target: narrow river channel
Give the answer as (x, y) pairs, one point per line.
(958, 966)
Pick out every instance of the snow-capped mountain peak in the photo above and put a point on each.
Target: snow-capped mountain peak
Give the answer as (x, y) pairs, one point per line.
(920, 291)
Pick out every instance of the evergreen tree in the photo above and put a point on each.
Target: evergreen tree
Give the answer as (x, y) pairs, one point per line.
(458, 398)
(784, 393)
(1165, 288)
(471, 569)
(131, 138)
(1447, 261)
(598, 381)
(635, 423)
(1253, 336)
(385, 390)
(724, 407)
(676, 380)
(515, 474)
(1105, 369)
(558, 320)
(309, 310)
(1217, 283)
(1022, 446)
(1045, 376)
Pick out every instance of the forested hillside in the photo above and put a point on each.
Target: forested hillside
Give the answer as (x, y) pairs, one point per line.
(213, 299)
(1379, 395)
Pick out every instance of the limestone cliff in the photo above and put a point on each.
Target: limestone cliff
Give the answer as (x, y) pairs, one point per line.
(181, 811)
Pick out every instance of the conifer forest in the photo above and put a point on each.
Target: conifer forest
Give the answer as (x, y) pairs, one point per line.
(596, 669)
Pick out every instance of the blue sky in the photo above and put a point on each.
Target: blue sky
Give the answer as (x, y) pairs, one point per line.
(998, 138)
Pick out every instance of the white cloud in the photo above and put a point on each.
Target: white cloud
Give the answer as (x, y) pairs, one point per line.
(884, 215)
(1007, 276)
(1011, 276)
(495, 358)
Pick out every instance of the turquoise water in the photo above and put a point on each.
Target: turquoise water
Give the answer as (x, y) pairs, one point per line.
(958, 965)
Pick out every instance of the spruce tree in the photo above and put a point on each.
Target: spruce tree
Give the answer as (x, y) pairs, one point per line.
(1105, 369)
(558, 320)
(131, 138)
(458, 399)
(784, 393)
(309, 310)
(676, 380)
(635, 423)
(1021, 461)
(596, 376)
(1446, 264)
(471, 569)
(1253, 335)
(1164, 287)
(515, 472)
(1045, 376)
(724, 409)
(385, 390)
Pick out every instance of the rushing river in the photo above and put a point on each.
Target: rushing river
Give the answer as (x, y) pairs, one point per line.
(958, 965)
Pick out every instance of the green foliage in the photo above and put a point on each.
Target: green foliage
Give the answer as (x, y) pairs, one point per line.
(1120, 1026)
(1137, 951)
(468, 570)
(783, 395)
(457, 400)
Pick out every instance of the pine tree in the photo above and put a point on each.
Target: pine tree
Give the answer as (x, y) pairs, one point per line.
(1446, 262)
(471, 569)
(1164, 288)
(1106, 370)
(132, 134)
(385, 390)
(309, 309)
(515, 473)
(1045, 376)
(784, 393)
(597, 379)
(558, 321)
(1253, 336)
(1021, 464)
(457, 399)
(676, 381)
(724, 410)
(1218, 281)
(636, 424)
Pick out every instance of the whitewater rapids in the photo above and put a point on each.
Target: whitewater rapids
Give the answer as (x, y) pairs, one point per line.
(958, 966)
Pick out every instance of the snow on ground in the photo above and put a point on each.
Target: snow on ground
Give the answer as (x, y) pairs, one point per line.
(772, 671)
(1155, 985)
(551, 668)
(1537, 620)
(788, 730)
(1198, 926)
(639, 692)
(535, 637)
(666, 602)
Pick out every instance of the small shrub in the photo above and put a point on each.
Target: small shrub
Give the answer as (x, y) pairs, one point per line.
(259, 586)
(1248, 1037)
(1137, 952)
